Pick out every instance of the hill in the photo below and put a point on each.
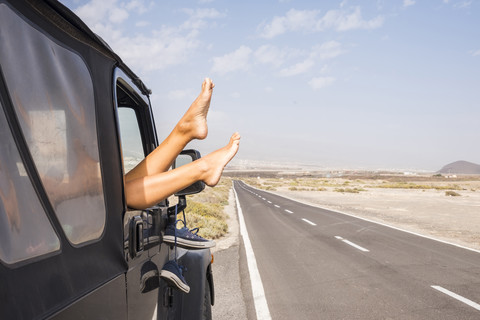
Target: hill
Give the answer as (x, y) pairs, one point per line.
(461, 167)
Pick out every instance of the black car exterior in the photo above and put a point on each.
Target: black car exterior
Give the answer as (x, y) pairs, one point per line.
(73, 119)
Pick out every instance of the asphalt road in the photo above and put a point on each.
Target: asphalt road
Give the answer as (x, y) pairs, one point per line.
(320, 264)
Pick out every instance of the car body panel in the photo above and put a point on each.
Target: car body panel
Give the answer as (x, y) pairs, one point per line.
(111, 273)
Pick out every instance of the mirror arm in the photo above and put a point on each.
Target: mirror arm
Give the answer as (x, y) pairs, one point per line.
(181, 205)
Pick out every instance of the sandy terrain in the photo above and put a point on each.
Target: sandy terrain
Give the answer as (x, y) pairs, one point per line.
(427, 211)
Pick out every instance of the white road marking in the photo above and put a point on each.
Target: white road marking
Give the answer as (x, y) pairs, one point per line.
(382, 224)
(259, 299)
(269, 201)
(309, 222)
(288, 211)
(458, 297)
(277, 206)
(355, 245)
(263, 198)
(352, 244)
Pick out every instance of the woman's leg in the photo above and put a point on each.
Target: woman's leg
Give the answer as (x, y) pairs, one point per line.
(10, 204)
(193, 125)
(149, 190)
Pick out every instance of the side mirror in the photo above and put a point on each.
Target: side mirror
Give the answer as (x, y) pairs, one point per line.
(185, 157)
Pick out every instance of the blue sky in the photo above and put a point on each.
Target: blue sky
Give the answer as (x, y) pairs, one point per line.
(354, 84)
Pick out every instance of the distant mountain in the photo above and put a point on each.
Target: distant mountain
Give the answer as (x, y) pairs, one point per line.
(461, 167)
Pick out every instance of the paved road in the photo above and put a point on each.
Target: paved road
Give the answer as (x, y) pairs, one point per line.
(319, 264)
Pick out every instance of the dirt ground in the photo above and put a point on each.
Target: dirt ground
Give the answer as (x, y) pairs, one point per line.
(421, 206)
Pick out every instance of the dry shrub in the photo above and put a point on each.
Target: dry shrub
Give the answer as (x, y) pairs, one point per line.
(208, 217)
(349, 190)
(411, 185)
(205, 210)
(452, 193)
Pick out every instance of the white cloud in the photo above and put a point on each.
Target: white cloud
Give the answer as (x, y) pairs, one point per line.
(463, 4)
(475, 53)
(138, 5)
(164, 48)
(343, 21)
(321, 82)
(324, 51)
(118, 15)
(180, 94)
(235, 61)
(115, 11)
(269, 54)
(199, 17)
(160, 48)
(298, 68)
(142, 23)
(292, 21)
(460, 4)
(325, 68)
(203, 13)
(327, 50)
(308, 21)
(95, 11)
(408, 3)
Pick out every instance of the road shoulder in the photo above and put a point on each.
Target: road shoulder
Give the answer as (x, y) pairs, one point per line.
(229, 299)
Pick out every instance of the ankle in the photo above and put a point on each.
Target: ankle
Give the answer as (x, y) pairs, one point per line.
(182, 133)
(204, 169)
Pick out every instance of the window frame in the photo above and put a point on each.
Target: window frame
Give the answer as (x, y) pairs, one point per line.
(143, 111)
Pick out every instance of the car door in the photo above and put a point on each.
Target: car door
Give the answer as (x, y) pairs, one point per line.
(61, 252)
(142, 228)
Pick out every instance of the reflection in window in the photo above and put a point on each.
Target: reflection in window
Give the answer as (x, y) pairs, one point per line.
(52, 92)
(182, 159)
(132, 146)
(25, 231)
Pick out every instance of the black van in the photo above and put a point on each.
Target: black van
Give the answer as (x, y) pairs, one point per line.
(73, 120)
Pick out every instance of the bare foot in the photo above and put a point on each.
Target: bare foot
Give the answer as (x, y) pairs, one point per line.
(194, 122)
(217, 160)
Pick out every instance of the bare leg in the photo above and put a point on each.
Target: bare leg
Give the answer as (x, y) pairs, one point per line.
(149, 190)
(10, 204)
(193, 125)
(85, 180)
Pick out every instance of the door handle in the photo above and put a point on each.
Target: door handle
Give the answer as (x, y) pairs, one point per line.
(136, 236)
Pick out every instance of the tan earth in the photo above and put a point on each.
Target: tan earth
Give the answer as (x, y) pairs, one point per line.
(429, 211)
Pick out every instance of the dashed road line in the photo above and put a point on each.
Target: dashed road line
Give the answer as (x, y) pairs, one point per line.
(309, 222)
(269, 201)
(277, 206)
(288, 211)
(352, 244)
(458, 297)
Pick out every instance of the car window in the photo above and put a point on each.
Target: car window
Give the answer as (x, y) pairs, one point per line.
(132, 146)
(25, 231)
(53, 96)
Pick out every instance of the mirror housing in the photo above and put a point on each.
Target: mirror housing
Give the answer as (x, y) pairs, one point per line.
(186, 157)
